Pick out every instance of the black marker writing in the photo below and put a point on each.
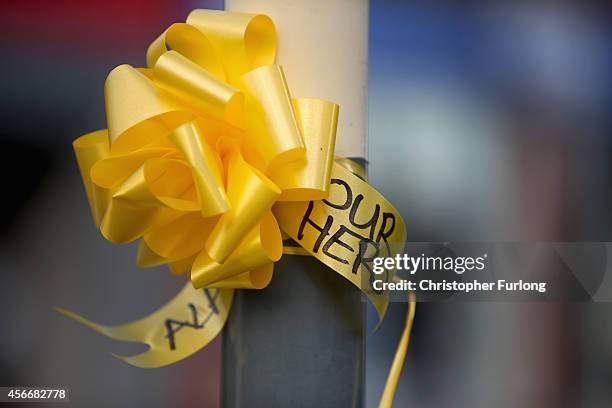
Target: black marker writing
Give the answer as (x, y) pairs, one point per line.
(173, 326)
(366, 232)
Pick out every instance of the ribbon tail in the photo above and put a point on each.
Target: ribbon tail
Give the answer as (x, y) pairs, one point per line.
(400, 355)
(187, 323)
(108, 331)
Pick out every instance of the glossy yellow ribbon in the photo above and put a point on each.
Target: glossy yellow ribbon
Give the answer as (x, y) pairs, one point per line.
(207, 157)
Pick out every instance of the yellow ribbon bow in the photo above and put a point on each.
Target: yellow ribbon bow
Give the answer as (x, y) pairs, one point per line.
(206, 158)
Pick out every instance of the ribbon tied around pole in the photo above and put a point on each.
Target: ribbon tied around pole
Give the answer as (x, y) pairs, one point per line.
(208, 162)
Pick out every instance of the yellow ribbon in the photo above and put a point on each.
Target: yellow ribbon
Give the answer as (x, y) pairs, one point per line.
(386, 399)
(184, 325)
(207, 157)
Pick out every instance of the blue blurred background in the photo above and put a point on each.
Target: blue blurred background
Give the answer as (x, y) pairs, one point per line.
(488, 121)
(491, 121)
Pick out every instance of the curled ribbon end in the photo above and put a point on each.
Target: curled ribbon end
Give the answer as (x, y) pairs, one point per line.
(260, 41)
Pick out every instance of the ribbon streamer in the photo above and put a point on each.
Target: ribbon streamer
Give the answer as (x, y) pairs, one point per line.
(400, 355)
(190, 321)
(207, 157)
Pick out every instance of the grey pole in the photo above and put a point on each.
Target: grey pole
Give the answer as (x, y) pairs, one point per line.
(300, 341)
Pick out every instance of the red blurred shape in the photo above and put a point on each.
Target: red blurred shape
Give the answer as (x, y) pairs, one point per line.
(87, 24)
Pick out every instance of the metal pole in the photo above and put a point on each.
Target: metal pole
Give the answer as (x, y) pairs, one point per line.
(300, 342)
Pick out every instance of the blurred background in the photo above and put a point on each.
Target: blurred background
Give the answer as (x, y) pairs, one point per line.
(487, 122)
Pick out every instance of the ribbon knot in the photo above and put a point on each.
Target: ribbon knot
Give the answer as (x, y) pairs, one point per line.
(207, 157)
(200, 146)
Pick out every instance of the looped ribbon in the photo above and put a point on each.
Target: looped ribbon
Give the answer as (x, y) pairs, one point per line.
(207, 157)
